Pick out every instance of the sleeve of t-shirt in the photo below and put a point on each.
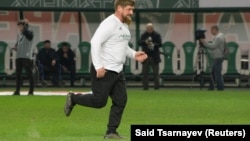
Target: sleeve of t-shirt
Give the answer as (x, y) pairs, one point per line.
(130, 52)
(214, 44)
(103, 32)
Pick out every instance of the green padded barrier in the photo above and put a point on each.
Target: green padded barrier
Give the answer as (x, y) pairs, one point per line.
(189, 48)
(168, 49)
(39, 46)
(231, 67)
(84, 48)
(3, 49)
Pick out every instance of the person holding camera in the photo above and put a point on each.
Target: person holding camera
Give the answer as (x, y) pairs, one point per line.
(216, 47)
(151, 42)
(24, 53)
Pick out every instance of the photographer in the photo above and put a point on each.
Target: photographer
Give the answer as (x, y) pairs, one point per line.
(24, 52)
(216, 47)
(151, 42)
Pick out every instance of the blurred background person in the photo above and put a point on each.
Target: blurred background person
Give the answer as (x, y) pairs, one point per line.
(150, 42)
(24, 53)
(67, 61)
(47, 60)
(217, 47)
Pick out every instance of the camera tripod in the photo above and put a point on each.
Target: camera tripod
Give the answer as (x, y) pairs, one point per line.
(199, 63)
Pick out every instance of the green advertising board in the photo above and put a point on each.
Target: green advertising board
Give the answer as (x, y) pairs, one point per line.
(96, 4)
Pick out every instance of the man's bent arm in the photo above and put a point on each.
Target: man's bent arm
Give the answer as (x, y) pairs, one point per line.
(214, 44)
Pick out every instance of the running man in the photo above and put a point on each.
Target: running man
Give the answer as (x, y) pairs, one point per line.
(109, 49)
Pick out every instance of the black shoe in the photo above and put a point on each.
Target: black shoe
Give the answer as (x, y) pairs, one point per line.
(113, 136)
(69, 105)
(16, 93)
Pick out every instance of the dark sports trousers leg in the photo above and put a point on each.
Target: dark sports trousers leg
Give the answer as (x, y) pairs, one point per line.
(119, 100)
(28, 66)
(212, 79)
(218, 75)
(156, 75)
(55, 71)
(19, 68)
(145, 71)
(72, 70)
(101, 88)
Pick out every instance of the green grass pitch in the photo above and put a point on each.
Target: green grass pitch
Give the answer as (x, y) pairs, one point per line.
(41, 118)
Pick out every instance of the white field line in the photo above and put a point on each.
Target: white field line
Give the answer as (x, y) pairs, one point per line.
(48, 93)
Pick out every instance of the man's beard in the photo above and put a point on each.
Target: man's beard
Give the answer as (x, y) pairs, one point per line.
(127, 20)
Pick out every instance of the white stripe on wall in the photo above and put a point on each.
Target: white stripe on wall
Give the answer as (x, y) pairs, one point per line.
(224, 3)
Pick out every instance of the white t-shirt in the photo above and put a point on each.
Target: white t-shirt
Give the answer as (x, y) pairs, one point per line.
(109, 45)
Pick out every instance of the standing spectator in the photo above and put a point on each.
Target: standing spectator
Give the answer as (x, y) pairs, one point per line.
(24, 51)
(48, 62)
(151, 42)
(67, 61)
(217, 48)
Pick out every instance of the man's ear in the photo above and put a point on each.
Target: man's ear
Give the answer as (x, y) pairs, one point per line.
(119, 8)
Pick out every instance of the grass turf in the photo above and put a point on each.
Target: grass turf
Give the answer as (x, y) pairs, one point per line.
(41, 118)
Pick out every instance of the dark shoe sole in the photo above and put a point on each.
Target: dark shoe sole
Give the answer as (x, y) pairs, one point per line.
(68, 105)
(16, 94)
(113, 136)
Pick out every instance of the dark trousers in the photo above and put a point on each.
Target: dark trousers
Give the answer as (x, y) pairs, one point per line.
(72, 71)
(46, 70)
(147, 64)
(112, 85)
(27, 65)
(216, 76)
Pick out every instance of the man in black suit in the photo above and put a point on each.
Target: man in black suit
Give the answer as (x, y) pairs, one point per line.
(67, 61)
(151, 42)
(48, 62)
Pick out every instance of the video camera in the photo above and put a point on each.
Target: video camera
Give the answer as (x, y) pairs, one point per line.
(200, 34)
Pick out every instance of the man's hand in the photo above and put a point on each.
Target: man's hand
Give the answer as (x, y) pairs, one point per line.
(140, 56)
(53, 62)
(64, 69)
(65, 55)
(14, 48)
(202, 40)
(100, 73)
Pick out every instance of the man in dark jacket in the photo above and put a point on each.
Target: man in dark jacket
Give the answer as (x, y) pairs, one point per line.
(151, 42)
(67, 61)
(24, 53)
(47, 61)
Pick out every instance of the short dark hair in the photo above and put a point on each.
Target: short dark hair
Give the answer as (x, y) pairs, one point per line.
(46, 41)
(216, 27)
(124, 3)
(65, 44)
(21, 22)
